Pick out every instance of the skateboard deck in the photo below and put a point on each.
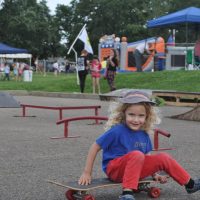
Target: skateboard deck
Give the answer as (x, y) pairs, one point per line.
(76, 191)
(96, 183)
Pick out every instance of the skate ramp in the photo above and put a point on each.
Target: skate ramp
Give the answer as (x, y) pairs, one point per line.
(8, 101)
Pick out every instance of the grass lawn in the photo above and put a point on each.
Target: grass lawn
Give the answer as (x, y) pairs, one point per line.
(188, 81)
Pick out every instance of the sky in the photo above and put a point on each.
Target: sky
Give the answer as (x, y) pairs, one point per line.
(53, 3)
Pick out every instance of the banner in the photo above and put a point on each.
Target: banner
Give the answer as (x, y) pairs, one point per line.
(170, 41)
(83, 36)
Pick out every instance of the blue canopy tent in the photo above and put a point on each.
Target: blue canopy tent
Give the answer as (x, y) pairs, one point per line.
(12, 52)
(184, 17)
(5, 49)
(188, 15)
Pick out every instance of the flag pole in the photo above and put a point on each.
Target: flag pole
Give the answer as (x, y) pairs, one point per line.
(75, 40)
(76, 58)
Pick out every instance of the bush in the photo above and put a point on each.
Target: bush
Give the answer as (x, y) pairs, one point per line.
(159, 101)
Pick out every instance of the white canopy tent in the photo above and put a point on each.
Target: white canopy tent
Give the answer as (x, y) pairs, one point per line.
(17, 55)
(12, 52)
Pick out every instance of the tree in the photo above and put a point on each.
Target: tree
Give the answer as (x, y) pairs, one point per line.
(28, 24)
(121, 17)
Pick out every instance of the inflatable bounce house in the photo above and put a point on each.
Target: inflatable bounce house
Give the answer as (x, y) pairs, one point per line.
(126, 51)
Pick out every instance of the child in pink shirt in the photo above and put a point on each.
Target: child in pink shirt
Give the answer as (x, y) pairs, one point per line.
(95, 73)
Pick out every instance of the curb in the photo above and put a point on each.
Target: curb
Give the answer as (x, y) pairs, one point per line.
(53, 94)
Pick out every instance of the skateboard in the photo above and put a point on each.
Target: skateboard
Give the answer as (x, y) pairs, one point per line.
(76, 191)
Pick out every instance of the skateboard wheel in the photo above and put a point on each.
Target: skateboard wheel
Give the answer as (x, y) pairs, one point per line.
(89, 197)
(154, 192)
(69, 195)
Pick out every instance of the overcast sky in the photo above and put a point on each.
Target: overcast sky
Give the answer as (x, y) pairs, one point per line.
(53, 3)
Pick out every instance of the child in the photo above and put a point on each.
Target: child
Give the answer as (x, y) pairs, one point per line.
(112, 63)
(15, 71)
(20, 71)
(55, 68)
(95, 73)
(7, 72)
(126, 148)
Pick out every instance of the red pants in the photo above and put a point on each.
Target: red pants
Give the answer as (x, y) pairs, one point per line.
(132, 167)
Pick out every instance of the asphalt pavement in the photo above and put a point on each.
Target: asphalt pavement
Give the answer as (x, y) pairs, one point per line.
(28, 155)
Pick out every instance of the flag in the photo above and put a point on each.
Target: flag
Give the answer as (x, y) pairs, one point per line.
(170, 41)
(84, 38)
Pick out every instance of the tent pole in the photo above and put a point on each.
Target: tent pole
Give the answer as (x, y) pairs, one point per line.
(186, 32)
(174, 35)
(44, 69)
(186, 37)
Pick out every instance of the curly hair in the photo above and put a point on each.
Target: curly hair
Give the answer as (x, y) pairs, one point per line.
(117, 115)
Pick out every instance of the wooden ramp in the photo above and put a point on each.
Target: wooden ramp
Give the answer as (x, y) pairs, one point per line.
(192, 115)
(174, 98)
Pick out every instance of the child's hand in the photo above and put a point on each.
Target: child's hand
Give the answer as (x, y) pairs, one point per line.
(160, 178)
(85, 179)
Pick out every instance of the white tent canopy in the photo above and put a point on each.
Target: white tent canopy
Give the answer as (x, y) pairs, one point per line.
(18, 55)
(12, 52)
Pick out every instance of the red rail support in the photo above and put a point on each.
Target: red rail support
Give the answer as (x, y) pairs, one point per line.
(158, 131)
(60, 109)
(67, 120)
(23, 110)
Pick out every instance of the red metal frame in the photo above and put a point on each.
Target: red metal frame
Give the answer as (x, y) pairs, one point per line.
(158, 131)
(60, 109)
(67, 120)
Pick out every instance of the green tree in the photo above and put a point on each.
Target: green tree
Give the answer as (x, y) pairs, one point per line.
(121, 17)
(28, 24)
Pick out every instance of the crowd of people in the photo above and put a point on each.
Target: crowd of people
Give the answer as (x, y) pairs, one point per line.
(98, 69)
(110, 64)
(12, 70)
(108, 67)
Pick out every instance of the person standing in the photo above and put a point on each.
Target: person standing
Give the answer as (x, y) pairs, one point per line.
(95, 73)
(67, 67)
(37, 67)
(197, 51)
(15, 70)
(138, 54)
(20, 71)
(112, 63)
(82, 68)
(160, 53)
(55, 68)
(103, 65)
(7, 72)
